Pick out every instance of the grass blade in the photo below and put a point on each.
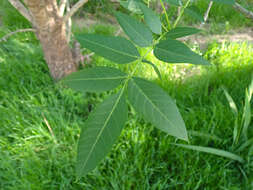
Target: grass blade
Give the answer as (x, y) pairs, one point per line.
(214, 151)
(250, 89)
(245, 145)
(232, 105)
(247, 109)
(231, 102)
(246, 114)
(204, 135)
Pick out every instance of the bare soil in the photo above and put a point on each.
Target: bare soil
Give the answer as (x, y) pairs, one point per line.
(240, 35)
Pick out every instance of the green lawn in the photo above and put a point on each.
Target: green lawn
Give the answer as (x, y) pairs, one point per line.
(40, 124)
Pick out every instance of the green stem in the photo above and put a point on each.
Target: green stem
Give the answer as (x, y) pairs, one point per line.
(143, 57)
(165, 12)
(139, 61)
(181, 13)
(164, 27)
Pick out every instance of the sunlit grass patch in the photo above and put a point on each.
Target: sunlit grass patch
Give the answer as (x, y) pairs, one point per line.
(230, 54)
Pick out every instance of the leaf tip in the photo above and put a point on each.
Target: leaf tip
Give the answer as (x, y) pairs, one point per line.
(184, 137)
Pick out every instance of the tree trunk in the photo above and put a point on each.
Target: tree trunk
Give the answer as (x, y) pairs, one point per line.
(51, 32)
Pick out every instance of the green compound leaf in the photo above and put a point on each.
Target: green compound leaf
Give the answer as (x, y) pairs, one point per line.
(194, 12)
(117, 49)
(157, 107)
(229, 2)
(214, 151)
(97, 79)
(101, 130)
(173, 51)
(136, 31)
(181, 32)
(151, 19)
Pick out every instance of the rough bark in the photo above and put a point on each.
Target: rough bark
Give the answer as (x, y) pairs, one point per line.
(51, 32)
(49, 22)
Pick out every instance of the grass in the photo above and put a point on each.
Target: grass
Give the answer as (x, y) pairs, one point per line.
(10, 17)
(41, 122)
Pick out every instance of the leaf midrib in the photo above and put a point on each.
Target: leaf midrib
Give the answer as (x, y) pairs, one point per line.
(101, 131)
(134, 29)
(86, 79)
(181, 55)
(154, 105)
(181, 33)
(152, 16)
(106, 47)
